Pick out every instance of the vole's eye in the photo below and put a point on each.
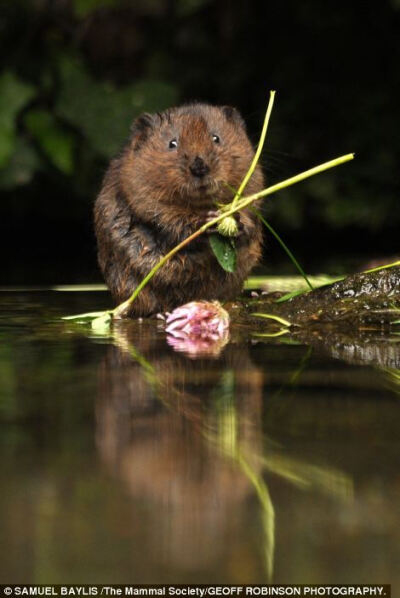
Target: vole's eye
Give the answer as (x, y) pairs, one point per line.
(173, 144)
(216, 139)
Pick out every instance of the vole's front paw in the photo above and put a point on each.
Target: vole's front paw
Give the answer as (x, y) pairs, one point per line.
(211, 215)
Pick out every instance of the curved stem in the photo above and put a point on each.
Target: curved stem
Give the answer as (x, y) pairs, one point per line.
(260, 146)
(286, 183)
(120, 310)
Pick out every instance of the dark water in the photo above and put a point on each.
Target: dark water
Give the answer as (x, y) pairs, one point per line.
(125, 461)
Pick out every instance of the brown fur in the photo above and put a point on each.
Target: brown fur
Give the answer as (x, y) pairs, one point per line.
(151, 200)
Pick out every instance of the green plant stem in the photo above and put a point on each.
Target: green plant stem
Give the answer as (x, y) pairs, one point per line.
(384, 267)
(120, 310)
(260, 146)
(275, 318)
(243, 203)
(284, 246)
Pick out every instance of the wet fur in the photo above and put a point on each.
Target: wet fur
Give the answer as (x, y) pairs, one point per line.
(150, 201)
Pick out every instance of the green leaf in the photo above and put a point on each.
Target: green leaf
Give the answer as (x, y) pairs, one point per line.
(87, 317)
(185, 8)
(101, 325)
(224, 250)
(14, 95)
(103, 113)
(57, 144)
(21, 166)
(84, 7)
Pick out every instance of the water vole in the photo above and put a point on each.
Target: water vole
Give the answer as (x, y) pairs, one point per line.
(174, 169)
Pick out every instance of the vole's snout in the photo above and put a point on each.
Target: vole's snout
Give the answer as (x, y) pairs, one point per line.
(199, 168)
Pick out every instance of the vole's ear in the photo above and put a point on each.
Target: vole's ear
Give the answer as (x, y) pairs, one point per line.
(233, 115)
(141, 129)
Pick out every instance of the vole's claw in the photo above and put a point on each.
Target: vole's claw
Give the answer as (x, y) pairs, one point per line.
(239, 223)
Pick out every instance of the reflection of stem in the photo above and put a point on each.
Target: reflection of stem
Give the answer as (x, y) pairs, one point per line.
(126, 347)
(305, 476)
(393, 377)
(228, 443)
(281, 332)
(301, 367)
(148, 369)
(225, 439)
(268, 511)
(296, 374)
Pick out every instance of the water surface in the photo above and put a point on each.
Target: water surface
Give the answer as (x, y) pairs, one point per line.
(125, 461)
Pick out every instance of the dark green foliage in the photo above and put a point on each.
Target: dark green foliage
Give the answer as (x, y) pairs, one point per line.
(14, 95)
(104, 113)
(85, 112)
(75, 73)
(23, 162)
(56, 143)
(83, 8)
(56, 115)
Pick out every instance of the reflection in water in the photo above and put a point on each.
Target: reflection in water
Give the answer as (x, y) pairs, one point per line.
(152, 426)
(124, 460)
(392, 376)
(356, 347)
(198, 458)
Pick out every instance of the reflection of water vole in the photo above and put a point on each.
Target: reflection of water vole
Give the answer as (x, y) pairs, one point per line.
(163, 425)
(173, 171)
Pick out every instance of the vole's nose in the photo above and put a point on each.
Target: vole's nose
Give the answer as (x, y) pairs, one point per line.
(198, 167)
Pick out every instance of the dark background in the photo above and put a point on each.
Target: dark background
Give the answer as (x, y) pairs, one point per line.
(74, 73)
